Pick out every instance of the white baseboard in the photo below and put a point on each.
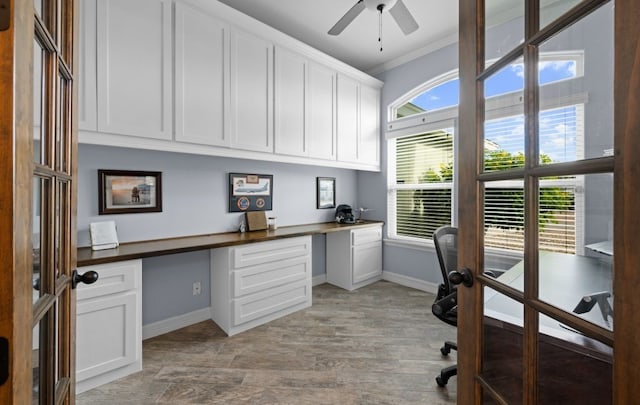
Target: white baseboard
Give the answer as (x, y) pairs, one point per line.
(174, 323)
(170, 324)
(317, 280)
(410, 282)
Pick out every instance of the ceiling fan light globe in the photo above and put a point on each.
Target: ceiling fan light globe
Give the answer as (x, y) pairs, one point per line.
(373, 4)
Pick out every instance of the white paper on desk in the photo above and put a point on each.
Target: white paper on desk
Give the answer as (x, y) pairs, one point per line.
(103, 235)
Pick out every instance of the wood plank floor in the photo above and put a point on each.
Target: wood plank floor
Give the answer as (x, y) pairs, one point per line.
(376, 345)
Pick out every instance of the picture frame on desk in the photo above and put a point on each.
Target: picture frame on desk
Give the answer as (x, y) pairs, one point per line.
(325, 192)
(129, 191)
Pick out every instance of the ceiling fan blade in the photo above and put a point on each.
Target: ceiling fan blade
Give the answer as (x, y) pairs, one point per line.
(403, 17)
(347, 18)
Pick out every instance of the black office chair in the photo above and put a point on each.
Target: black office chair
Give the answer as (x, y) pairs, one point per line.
(445, 307)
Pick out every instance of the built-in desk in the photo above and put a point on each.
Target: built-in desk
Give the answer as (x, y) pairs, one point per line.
(255, 277)
(159, 247)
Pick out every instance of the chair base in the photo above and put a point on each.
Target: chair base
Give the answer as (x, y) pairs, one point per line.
(448, 345)
(445, 374)
(450, 371)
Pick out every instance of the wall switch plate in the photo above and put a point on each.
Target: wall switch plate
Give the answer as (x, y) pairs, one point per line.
(197, 288)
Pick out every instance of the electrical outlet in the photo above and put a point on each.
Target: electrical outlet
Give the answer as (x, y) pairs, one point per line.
(197, 288)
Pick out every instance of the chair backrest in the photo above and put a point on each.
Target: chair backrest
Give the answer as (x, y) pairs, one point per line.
(445, 239)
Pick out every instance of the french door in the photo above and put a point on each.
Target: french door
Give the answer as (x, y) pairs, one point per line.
(563, 291)
(37, 115)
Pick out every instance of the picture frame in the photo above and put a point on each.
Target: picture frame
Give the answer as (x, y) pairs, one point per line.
(325, 192)
(250, 192)
(129, 191)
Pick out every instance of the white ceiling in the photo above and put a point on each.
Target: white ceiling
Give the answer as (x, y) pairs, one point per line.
(309, 21)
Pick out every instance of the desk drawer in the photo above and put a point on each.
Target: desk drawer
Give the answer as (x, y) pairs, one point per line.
(272, 251)
(254, 279)
(368, 235)
(270, 302)
(112, 278)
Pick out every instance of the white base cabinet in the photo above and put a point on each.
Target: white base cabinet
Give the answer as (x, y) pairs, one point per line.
(354, 258)
(256, 283)
(109, 324)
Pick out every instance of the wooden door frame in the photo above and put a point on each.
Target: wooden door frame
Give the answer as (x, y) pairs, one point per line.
(470, 11)
(626, 370)
(626, 283)
(16, 128)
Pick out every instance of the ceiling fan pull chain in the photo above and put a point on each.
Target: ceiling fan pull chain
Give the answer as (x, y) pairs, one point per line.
(380, 8)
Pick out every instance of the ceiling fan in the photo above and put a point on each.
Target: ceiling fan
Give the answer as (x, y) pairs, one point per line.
(398, 11)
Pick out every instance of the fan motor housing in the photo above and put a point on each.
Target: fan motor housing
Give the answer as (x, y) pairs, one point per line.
(374, 4)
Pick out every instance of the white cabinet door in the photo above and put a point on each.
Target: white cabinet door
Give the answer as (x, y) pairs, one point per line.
(251, 75)
(109, 324)
(134, 67)
(289, 107)
(347, 115)
(369, 142)
(367, 261)
(87, 102)
(321, 112)
(200, 77)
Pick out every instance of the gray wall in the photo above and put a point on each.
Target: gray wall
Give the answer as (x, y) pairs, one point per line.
(195, 201)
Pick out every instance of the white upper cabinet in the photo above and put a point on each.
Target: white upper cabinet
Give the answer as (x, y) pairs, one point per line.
(200, 66)
(321, 112)
(251, 92)
(369, 142)
(195, 76)
(348, 118)
(134, 67)
(87, 108)
(358, 115)
(289, 103)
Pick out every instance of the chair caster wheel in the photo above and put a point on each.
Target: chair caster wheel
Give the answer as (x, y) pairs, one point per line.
(440, 381)
(445, 350)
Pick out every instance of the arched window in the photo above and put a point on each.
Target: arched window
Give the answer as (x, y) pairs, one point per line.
(421, 135)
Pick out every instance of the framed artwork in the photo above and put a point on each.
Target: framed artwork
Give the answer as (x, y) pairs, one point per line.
(250, 192)
(326, 192)
(128, 191)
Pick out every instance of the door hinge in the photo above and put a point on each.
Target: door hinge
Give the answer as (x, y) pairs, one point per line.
(4, 360)
(5, 15)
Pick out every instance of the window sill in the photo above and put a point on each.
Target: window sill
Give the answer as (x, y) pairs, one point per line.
(426, 246)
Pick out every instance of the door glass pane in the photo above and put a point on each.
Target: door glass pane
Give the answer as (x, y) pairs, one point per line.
(59, 124)
(38, 111)
(37, 237)
(576, 91)
(56, 340)
(504, 29)
(504, 230)
(502, 351)
(35, 364)
(504, 119)
(590, 362)
(57, 243)
(575, 243)
(552, 9)
(37, 5)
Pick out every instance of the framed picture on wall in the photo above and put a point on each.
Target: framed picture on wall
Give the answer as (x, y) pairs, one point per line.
(325, 192)
(250, 192)
(128, 191)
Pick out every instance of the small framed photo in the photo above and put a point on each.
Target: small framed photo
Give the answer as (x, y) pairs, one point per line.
(326, 192)
(128, 191)
(250, 192)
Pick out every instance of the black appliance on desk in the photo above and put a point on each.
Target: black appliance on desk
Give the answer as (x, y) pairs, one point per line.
(344, 214)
